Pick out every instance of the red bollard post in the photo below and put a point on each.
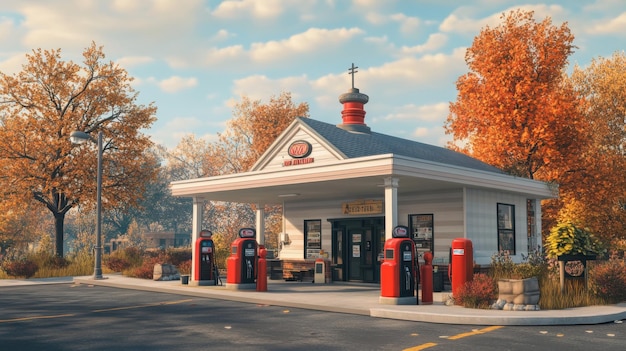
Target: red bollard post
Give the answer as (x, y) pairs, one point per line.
(261, 275)
(426, 272)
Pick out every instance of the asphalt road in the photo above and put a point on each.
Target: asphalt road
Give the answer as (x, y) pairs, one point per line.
(83, 317)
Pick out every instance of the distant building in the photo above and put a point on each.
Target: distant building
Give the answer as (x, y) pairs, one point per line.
(165, 240)
(152, 241)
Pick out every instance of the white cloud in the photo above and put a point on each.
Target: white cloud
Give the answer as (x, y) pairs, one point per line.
(130, 61)
(221, 35)
(429, 113)
(376, 18)
(13, 63)
(462, 20)
(314, 39)
(7, 29)
(435, 42)
(172, 132)
(175, 84)
(144, 27)
(408, 25)
(266, 9)
(260, 87)
(421, 132)
(216, 56)
(616, 25)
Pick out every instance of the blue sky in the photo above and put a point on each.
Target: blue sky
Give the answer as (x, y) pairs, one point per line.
(195, 58)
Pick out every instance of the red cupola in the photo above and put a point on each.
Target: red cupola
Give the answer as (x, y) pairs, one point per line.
(353, 114)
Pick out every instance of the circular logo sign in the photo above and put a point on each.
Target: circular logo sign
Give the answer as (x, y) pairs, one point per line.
(300, 149)
(247, 233)
(205, 233)
(400, 232)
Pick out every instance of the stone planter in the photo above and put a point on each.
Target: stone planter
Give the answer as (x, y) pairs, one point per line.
(518, 291)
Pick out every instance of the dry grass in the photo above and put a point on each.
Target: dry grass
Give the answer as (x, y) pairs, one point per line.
(575, 294)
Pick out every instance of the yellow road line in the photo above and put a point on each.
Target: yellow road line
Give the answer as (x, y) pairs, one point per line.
(142, 306)
(35, 317)
(455, 337)
(475, 332)
(421, 347)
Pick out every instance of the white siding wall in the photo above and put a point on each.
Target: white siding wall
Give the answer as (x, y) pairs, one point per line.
(479, 224)
(296, 214)
(482, 223)
(447, 210)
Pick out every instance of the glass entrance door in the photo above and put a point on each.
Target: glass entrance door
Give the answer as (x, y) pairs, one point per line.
(356, 246)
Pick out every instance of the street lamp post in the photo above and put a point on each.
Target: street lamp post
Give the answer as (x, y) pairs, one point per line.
(78, 137)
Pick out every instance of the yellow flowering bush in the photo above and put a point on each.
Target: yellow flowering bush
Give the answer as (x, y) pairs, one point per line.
(568, 239)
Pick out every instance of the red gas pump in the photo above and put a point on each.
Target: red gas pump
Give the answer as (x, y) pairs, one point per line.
(462, 263)
(397, 272)
(204, 261)
(241, 265)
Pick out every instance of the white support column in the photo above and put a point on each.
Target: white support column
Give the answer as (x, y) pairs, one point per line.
(260, 224)
(391, 205)
(538, 235)
(196, 227)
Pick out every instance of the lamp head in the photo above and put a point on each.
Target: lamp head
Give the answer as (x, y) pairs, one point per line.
(78, 137)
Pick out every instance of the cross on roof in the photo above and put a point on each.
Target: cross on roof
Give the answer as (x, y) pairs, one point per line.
(352, 71)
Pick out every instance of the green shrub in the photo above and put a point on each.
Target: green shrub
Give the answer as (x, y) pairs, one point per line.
(608, 280)
(480, 292)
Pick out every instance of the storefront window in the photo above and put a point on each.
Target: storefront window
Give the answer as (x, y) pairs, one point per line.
(312, 238)
(506, 228)
(421, 227)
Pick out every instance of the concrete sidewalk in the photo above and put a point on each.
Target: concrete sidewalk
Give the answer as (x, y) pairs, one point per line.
(363, 299)
(349, 298)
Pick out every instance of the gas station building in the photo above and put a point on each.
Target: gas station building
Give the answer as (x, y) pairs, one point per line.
(344, 188)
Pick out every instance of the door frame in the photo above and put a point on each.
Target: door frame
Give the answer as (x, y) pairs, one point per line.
(342, 249)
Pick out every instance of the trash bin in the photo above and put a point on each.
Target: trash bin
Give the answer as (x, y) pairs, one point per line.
(184, 279)
(437, 281)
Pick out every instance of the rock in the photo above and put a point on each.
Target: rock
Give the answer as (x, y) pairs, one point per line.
(165, 271)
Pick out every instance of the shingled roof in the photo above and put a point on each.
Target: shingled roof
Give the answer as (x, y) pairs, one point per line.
(354, 145)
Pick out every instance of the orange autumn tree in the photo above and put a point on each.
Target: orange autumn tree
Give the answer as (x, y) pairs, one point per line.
(49, 99)
(600, 199)
(255, 126)
(514, 109)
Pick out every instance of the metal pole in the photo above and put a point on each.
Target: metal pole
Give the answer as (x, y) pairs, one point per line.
(97, 271)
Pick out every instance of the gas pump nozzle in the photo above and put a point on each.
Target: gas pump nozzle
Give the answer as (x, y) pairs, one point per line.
(249, 270)
(407, 274)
